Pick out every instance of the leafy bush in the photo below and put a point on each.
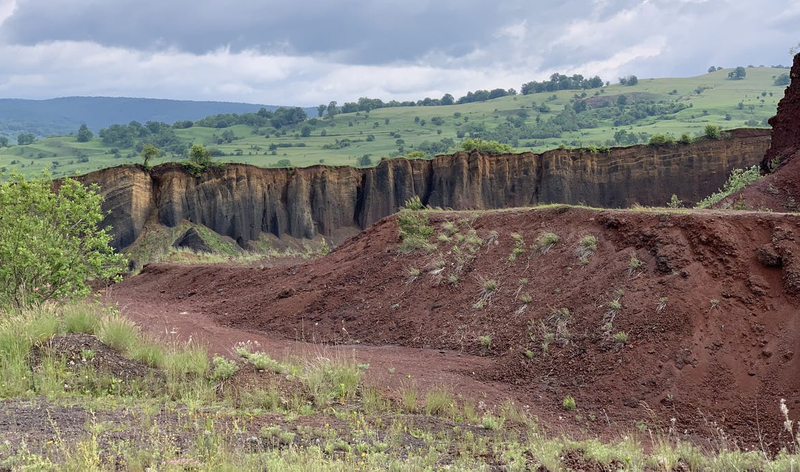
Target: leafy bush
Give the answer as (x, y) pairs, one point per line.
(49, 241)
(661, 140)
(713, 131)
(739, 179)
(569, 403)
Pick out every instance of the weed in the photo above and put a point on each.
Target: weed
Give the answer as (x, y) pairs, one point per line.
(223, 368)
(486, 342)
(714, 303)
(149, 352)
(489, 286)
(546, 241)
(452, 279)
(414, 203)
(449, 227)
(529, 354)
(568, 403)
(586, 247)
(526, 299)
(662, 304)
(522, 282)
(621, 338)
(634, 264)
(79, 319)
(408, 398)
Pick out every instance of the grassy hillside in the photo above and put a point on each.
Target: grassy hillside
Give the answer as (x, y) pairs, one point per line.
(684, 106)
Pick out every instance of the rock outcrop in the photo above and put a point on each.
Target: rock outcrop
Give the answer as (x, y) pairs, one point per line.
(786, 123)
(242, 201)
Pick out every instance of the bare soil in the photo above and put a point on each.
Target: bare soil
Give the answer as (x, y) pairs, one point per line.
(717, 356)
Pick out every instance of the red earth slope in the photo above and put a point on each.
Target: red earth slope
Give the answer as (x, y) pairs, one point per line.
(710, 313)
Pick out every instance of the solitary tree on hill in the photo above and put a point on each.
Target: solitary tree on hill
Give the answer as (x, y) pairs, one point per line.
(84, 134)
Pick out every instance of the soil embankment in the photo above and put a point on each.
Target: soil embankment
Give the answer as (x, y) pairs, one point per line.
(241, 201)
(707, 302)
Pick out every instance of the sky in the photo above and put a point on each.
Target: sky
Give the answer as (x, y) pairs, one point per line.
(308, 52)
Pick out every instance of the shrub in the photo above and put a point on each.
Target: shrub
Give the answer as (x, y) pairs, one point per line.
(713, 131)
(739, 179)
(50, 244)
(686, 139)
(661, 140)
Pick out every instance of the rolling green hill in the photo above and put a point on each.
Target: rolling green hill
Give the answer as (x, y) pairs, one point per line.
(612, 115)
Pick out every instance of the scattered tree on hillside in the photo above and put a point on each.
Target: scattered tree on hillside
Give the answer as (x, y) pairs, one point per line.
(782, 80)
(489, 147)
(149, 152)
(3, 141)
(50, 244)
(84, 134)
(25, 138)
(738, 73)
(630, 80)
(332, 110)
(321, 110)
(712, 69)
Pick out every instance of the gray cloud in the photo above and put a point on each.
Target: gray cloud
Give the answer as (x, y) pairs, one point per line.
(307, 51)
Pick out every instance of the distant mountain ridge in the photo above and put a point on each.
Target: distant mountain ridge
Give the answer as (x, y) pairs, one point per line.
(65, 115)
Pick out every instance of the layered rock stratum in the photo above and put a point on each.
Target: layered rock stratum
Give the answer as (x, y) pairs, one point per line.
(242, 201)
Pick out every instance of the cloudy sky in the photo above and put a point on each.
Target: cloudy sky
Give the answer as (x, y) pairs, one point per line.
(306, 52)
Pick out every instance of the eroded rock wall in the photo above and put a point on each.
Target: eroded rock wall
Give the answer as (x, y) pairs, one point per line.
(243, 201)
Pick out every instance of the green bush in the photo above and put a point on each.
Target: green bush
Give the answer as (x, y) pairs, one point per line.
(661, 140)
(713, 131)
(50, 244)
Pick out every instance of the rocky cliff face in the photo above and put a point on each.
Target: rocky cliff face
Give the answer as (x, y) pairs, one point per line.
(786, 123)
(243, 201)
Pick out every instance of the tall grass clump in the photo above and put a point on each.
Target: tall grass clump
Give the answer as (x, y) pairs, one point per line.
(121, 334)
(186, 368)
(19, 332)
(331, 380)
(81, 318)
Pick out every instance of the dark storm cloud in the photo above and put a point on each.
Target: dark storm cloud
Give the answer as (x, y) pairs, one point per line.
(359, 31)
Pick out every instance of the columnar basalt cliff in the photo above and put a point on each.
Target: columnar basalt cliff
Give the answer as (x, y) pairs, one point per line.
(243, 201)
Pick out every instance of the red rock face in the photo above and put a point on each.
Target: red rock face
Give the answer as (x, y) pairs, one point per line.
(786, 123)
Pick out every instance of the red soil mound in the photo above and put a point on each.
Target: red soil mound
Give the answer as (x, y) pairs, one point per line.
(710, 309)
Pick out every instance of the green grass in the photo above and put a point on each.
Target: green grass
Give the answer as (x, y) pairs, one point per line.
(718, 98)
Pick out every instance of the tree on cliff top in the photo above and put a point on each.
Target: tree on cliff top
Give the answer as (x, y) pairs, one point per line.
(50, 244)
(199, 160)
(84, 134)
(149, 152)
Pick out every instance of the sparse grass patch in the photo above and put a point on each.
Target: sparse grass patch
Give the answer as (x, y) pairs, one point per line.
(634, 264)
(586, 247)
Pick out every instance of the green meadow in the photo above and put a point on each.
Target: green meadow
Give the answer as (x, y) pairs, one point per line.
(363, 138)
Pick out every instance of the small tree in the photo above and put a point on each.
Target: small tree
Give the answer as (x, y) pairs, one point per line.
(50, 244)
(149, 152)
(84, 134)
(199, 159)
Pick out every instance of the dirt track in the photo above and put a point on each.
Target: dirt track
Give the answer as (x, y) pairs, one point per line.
(720, 353)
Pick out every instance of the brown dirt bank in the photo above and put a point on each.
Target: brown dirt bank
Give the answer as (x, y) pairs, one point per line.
(721, 349)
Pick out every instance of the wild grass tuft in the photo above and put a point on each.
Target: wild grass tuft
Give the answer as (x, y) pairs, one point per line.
(546, 241)
(331, 379)
(120, 333)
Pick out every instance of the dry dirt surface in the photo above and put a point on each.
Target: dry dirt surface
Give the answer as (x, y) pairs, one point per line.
(707, 300)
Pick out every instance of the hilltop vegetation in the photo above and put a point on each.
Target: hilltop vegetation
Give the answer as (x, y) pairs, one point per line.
(564, 111)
